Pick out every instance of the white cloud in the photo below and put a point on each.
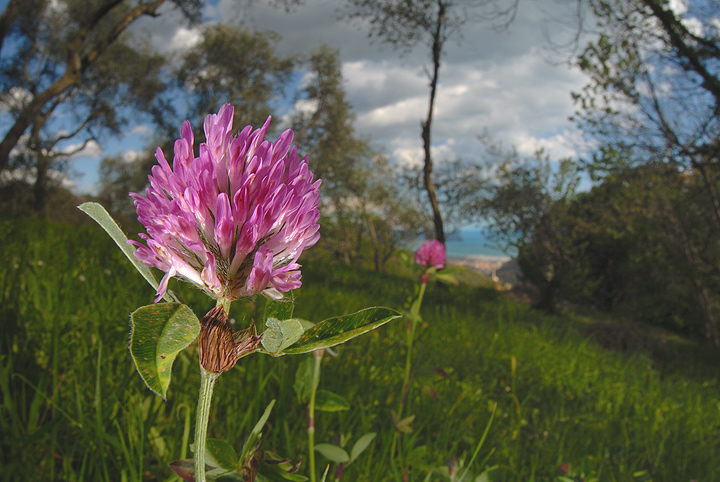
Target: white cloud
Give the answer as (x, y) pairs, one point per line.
(499, 82)
(131, 155)
(141, 129)
(185, 39)
(168, 32)
(91, 149)
(557, 146)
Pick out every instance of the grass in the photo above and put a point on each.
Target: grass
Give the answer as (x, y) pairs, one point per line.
(73, 408)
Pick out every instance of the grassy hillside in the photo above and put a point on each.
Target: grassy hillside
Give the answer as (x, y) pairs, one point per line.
(73, 408)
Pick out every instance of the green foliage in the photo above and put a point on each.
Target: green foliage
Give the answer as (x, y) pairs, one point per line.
(101, 216)
(81, 79)
(236, 66)
(327, 401)
(527, 207)
(651, 109)
(340, 329)
(360, 187)
(73, 408)
(158, 333)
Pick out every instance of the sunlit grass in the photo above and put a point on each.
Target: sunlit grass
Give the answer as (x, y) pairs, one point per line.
(73, 408)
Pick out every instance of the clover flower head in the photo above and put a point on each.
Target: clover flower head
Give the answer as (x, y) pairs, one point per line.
(431, 254)
(233, 220)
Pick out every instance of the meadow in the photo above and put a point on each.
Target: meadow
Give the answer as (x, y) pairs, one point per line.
(72, 407)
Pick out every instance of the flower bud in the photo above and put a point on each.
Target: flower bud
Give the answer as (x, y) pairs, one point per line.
(220, 346)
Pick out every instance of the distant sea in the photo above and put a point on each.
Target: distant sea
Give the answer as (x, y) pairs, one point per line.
(470, 243)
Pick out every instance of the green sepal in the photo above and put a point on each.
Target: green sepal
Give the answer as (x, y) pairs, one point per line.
(340, 329)
(280, 335)
(101, 216)
(327, 401)
(159, 332)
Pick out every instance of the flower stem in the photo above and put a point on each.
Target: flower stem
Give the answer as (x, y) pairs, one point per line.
(207, 383)
(318, 354)
(414, 318)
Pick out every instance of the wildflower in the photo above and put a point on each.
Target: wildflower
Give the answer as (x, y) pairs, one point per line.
(233, 220)
(431, 254)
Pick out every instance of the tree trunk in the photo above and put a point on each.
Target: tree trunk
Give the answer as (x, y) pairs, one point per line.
(374, 242)
(548, 294)
(427, 125)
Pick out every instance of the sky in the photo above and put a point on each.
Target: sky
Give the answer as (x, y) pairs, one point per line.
(509, 84)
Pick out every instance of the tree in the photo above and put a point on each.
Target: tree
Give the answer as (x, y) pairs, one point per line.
(70, 74)
(654, 93)
(360, 188)
(58, 44)
(459, 185)
(653, 100)
(527, 209)
(324, 125)
(405, 24)
(229, 65)
(237, 66)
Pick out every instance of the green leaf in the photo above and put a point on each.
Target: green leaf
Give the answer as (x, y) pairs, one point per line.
(280, 309)
(491, 474)
(219, 453)
(333, 453)
(452, 270)
(304, 380)
(228, 477)
(263, 419)
(253, 439)
(159, 333)
(446, 278)
(280, 334)
(101, 216)
(360, 446)
(329, 402)
(338, 330)
(404, 425)
(281, 467)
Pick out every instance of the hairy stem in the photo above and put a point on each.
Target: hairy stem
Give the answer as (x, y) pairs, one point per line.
(207, 383)
(318, 354)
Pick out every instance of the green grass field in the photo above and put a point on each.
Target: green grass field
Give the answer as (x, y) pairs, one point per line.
(73, 408)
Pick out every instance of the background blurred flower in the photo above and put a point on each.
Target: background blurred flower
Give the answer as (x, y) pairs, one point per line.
(233, 220)
(431, 254)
